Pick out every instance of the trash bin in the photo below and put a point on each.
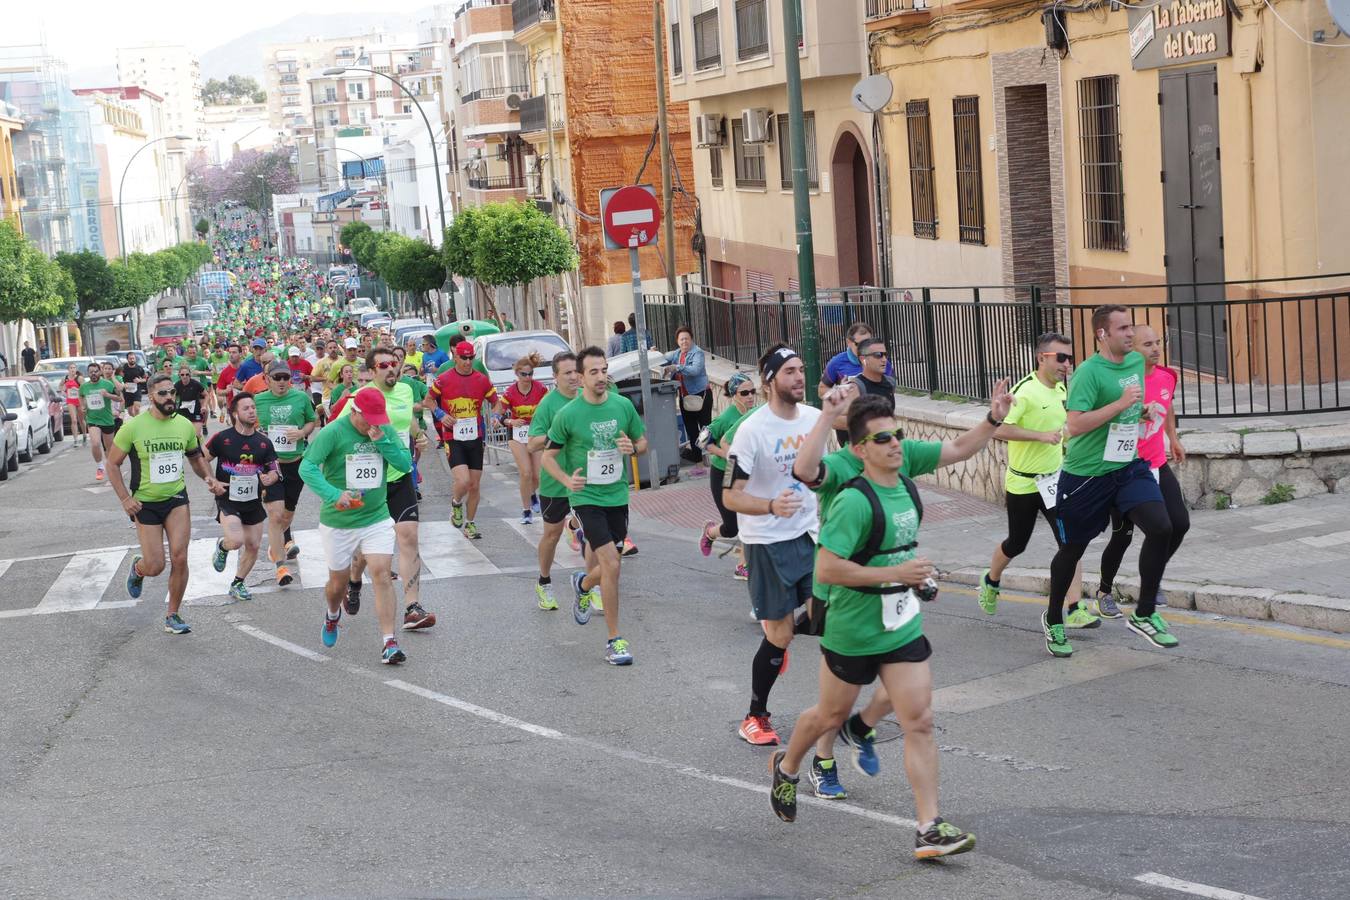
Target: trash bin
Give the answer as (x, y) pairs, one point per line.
(663, 433)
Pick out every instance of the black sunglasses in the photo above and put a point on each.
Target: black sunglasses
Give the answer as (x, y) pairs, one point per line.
(281, 376)
(748, 392)
(877, 354)
(1060, 357)
(529, 374)
(882, 438)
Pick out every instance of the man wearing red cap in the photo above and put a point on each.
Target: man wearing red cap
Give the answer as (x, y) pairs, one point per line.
(346, 465)
(456, 400)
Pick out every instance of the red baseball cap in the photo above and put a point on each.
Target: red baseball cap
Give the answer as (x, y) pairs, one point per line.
(464, 349)
(370, 403)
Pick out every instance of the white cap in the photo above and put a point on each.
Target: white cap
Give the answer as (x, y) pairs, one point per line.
(294, 351)
(351, 344)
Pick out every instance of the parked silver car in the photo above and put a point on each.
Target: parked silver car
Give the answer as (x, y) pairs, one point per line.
(32, 421)
(9, 443)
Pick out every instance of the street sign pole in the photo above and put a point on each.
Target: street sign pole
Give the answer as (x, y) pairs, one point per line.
(801, 201)
(644, 370)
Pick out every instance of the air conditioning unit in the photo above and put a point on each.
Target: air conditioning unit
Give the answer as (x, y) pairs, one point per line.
(712, 130)
(513, 101)
(756, 125)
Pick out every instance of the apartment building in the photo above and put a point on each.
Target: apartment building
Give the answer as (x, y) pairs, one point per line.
(289, 67)
(11, 204)
(172, 72)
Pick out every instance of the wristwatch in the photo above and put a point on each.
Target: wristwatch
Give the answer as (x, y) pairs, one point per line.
(989, 417)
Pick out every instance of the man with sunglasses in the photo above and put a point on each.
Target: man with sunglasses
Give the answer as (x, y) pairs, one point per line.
(1034, 430)
(157, 441)
(872, 380)
(846, 363)
(400, 492)
(874, 628)
(286, 416)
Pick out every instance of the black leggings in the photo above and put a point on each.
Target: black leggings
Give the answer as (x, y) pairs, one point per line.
(729, 526)
(694, 422)
(1022, 512)
(1152, 519)
(1122, 530)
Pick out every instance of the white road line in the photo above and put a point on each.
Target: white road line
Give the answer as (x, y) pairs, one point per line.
(203, 580)
(280, 642)
(81, 583)
(553, 734)
(5, 564)
(1191, 887)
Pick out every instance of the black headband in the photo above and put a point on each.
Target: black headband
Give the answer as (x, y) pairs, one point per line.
(776, 361)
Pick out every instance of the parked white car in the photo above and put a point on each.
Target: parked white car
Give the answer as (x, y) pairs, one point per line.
(33, 426)
(498, 354)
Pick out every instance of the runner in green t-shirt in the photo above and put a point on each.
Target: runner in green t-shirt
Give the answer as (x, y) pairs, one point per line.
(1103, 472)
(589, 442)
(97, 396)
(286, 416)
(1034, 430)
(554, 503)
(401, 495)
(346, 466)
(741, 389)
(874, 628)
(157, 441)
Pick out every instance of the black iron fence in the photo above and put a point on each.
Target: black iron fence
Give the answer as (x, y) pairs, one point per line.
(1253, 348)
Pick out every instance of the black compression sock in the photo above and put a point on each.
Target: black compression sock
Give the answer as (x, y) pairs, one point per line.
(544, 579)
(763, 673)
(353, 585)
(288, 535)
(993, 582)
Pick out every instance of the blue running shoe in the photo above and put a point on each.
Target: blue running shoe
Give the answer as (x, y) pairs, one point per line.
(617, 654)
(175, 625)
(134, 581)
(864, 750)
(330, 630)
(392, 655)
(218, 558)
(581, 603)
(534, 504)
(825, 780)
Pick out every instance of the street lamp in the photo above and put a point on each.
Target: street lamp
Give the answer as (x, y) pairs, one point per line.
(435, 159)
(121, 238)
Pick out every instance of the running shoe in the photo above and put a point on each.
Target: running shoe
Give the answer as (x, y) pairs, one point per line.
(218, 558)
(742, 573)
(988, 594)
(581, 604)
(292, 549)
(284, 576)
(629, 548)
(575, 538)
(534, 504)
(1079, 617)
(134, 581)
(526, 517)
(471, 531)
(865, 758)
(597, 601)
(616, 652)
(98, 474)
(353, 601)
(457, 514)
(547, 601)
(174, 624)
(1055, 641)
(415, 618)
(943, 839)
(330, 630)
(825, 780)
(1160, 599)
(705, 544)
(783, 794)
(757, 730)
(240, 591)
(1152, 629)
(392, 655)
(1104, 605)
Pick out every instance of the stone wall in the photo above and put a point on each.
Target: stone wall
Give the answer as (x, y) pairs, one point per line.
(1244, 465)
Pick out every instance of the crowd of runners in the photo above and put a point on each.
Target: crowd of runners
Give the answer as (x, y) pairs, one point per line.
(820, 504)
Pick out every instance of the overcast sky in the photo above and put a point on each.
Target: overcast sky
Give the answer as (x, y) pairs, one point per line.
(85, 34)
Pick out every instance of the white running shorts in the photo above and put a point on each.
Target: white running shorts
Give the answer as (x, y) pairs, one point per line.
(340, 544)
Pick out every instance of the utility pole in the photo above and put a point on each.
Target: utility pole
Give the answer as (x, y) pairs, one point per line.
(659, 32)
(801, 201)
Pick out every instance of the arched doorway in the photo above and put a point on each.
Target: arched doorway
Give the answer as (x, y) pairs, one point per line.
(854, 241)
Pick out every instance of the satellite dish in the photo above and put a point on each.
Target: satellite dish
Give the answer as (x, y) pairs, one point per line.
(1340, 13)
(873, 93)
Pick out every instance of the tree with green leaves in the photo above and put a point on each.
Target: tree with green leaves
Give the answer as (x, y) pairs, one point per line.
(202, 227)
(31, 286)
(507, 244)
(348, 235)
(93, 283)
(407, 264)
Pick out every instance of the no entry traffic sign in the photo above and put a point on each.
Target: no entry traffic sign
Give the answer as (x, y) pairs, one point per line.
(629, 216)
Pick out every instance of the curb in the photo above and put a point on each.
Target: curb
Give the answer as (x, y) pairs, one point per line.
(1302, 610)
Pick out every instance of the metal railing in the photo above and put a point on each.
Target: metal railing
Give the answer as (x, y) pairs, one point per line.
(479, 4)
(1239, 348)
(496, 183)
(494, 93)
(534, 116)
(880, 9)
(525, 13)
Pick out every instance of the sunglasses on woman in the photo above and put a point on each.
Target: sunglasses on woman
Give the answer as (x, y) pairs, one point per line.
(747, 392)
(882, 438)
(529, 374)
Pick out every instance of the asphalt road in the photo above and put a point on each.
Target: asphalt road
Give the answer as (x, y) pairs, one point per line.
(505, 758)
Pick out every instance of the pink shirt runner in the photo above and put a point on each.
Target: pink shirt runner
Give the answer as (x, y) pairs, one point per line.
(1159, 390)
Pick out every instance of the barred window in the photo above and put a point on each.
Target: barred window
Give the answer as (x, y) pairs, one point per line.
(749, 159)
(969, 178)
(785, 151)
(921, 192)
(1103, 180)
(715, 165)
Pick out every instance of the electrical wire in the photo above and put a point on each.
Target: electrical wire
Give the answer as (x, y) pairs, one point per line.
(1296, 34)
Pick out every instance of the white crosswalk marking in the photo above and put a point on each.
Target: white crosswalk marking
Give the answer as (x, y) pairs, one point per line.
(447, 553)
(81, 583)
(566, 556)
(311, 563)
(203, 580)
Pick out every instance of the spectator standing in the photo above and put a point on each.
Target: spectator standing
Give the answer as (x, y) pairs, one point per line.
(615, 345)
(687, 366)
(29, 356)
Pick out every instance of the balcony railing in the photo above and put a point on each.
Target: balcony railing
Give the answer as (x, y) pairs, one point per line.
(534, 116)
(525, 13)
(479, 4)
(493, 93)
(496, 183)
(881, 9)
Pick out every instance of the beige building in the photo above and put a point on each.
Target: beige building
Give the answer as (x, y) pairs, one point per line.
(11, 204)
(289, 68)
(727, 61)
(172, 72)
(1178, 142)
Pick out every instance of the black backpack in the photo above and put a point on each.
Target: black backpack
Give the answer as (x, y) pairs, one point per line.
(872, 547)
